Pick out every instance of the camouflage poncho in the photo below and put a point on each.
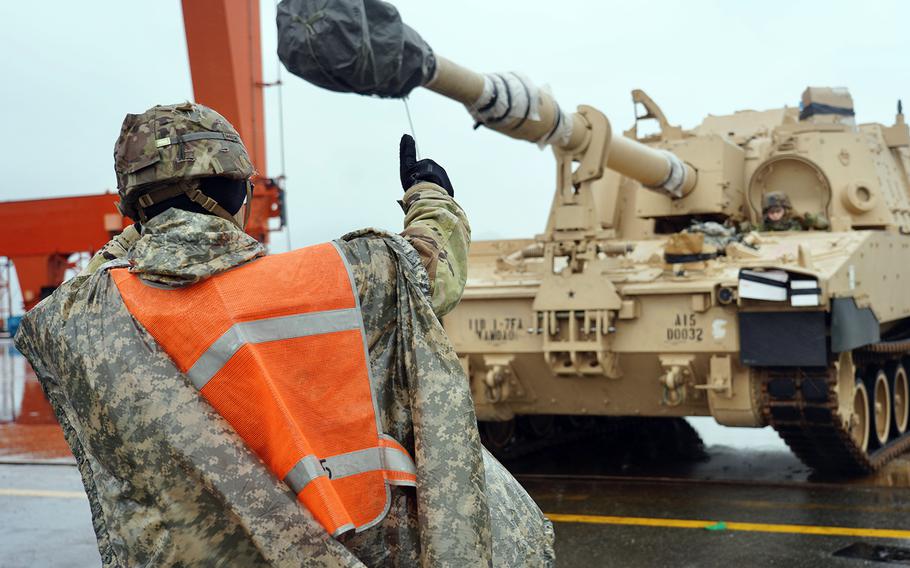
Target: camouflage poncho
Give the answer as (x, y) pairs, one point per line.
(170, 483)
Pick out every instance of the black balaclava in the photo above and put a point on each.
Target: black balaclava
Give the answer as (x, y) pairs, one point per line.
(228, 192)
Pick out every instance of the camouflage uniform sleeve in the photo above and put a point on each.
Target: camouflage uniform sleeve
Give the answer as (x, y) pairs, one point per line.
(815, 221)
(438, 229)
(115, 248)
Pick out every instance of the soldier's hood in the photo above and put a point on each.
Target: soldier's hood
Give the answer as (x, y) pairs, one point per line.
(178, 248)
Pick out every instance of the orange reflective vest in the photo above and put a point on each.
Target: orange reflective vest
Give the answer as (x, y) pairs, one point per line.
(277, 347)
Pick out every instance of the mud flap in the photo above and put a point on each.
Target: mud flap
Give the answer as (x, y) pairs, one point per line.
(851, 327)
(783, 339)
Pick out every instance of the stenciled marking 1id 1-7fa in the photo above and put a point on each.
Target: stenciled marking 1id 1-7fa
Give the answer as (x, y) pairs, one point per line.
(496, 329)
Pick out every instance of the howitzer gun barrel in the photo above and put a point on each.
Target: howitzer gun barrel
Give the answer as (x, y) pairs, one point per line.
(653, 168)
(467, 87)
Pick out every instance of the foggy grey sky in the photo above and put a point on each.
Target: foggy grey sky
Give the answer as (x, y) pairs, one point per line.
(71, 70)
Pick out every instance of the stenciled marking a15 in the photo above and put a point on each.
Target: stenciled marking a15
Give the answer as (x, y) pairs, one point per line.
(685, 328)
(689, 328)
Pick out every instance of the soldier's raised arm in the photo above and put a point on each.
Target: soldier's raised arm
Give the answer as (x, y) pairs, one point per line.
(435, 226)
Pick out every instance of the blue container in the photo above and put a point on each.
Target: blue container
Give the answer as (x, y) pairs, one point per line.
(12, 324)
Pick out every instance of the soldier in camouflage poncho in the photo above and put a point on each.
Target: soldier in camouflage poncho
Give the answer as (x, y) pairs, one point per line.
(169, 481)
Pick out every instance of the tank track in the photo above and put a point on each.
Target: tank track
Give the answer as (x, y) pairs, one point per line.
(801, 405)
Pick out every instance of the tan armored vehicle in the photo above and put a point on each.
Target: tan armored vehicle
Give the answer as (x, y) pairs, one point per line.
(645, 296)
(632, 303)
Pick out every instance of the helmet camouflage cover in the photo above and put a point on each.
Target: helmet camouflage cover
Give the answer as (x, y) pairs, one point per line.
(775, 199)
(172, 144)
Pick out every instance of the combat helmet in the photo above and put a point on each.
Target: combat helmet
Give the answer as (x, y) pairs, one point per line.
(163, 152)
(775, 199)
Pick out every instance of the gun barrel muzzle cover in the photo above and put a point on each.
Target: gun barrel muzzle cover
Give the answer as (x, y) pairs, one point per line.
(353, 46)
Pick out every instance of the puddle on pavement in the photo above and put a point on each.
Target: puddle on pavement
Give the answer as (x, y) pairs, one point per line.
(876, 553)
(28, 429)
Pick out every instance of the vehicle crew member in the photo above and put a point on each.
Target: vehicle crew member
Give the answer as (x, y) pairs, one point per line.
(777, 215)
(303, 409)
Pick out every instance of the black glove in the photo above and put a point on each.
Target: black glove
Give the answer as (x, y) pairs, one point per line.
(413, 171)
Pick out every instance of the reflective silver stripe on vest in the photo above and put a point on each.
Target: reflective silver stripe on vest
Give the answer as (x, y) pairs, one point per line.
(264, 330)
(343, 529)
(303, 472)
(343, 465)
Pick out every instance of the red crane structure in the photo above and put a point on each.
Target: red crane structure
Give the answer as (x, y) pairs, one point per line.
(40, 251)
(225, 52)
(225, 56)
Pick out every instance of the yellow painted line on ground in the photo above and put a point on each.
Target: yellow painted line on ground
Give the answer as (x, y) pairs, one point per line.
(731, 526)
(42, 493)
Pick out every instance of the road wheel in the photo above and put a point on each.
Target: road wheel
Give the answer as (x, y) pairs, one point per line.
(881, 407)
(497, 435)
(540, 426)
(859, 421)
(900, 398)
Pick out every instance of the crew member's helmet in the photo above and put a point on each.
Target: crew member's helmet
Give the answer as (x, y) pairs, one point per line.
(776, 199)
(163, 152)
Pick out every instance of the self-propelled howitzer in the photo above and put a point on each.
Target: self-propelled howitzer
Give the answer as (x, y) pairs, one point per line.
(664, 303)
(654, 291)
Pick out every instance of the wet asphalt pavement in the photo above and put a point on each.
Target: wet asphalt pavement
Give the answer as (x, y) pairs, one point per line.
(616, 504)
(586, 544)
(613, 504)
(45, 518)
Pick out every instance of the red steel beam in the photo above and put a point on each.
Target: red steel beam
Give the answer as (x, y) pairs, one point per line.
(39, 250)
(225, 53)
(81, 223)
(222, 38)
